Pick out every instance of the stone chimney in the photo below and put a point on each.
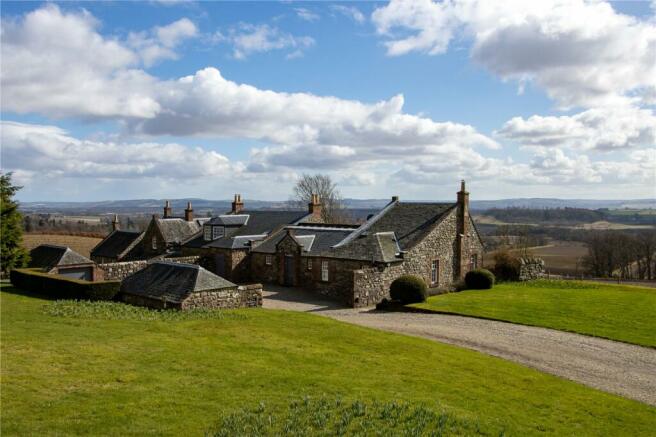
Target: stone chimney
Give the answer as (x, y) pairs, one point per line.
(462, 229)
(314, 207)
(237, 204)
(189, 213)
(115, 224)
(167, 210)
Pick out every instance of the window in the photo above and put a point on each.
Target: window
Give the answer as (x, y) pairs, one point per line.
(268, 260)
(324, 270)
(217, 232)
(207, 233)
(435, 272)
(309, 267)
(154, 243)
(473, 262)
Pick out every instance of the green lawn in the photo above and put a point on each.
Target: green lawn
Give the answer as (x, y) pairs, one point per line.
(71, 368)
(619, 312)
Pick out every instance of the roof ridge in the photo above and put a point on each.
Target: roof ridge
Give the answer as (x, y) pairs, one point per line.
(369, 223)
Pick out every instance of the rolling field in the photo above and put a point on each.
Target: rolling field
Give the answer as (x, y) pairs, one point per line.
(81, 245)
(78, 368)
(560, 257)
(618, 312)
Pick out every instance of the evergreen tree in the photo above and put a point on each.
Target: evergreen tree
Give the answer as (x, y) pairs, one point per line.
(12, 253)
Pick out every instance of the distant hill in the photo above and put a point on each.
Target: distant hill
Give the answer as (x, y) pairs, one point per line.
(203, 206)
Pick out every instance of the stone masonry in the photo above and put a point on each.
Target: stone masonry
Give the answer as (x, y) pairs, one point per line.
(531, 268)
(120, 270)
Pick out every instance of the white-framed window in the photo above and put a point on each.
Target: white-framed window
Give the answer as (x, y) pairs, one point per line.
(435, 272)
(309, 264)
(268, 260)
(217, 232)
(324, 271)
(473, 262)
(153, 243)
(207, 233)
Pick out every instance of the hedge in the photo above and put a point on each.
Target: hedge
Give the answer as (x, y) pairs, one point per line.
(408, 289)
(479, 279)
(61, 287)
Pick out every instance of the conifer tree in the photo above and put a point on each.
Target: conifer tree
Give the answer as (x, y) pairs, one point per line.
(12, 253)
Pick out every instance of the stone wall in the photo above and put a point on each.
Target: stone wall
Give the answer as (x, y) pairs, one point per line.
(531, 268)
(120, 270)
(243, 296)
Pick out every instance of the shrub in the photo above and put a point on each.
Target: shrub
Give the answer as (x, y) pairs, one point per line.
(479, 279)
(61, 287)
(506, 266)
(408, 289)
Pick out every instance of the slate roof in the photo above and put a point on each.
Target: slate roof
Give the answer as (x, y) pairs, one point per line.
(315, 240)
(397, 227)
(48, 256)
(258, 226)
(177, 230)
(230, 220)
(117, 243)
(172, 282)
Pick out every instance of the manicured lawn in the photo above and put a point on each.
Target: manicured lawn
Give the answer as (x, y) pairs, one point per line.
(619, 312)
(80, 369)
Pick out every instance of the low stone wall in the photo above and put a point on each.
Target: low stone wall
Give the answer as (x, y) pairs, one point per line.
(531, 268)
(120, 270)
(244, 296)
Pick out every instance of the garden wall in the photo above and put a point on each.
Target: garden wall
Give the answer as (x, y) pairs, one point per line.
(120, 270)
(531, 268)
(62, 287)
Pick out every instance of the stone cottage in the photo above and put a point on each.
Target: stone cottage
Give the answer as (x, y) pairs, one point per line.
(164, 284)
(64, 261)
(163, 237)
(225, 241)
(436, 241)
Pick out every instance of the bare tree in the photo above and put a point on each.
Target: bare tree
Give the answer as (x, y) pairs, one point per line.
(332, 206)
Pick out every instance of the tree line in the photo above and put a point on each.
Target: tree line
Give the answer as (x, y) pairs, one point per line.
(622, 254)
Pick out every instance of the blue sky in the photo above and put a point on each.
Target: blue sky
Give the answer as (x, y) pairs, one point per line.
(94, 106)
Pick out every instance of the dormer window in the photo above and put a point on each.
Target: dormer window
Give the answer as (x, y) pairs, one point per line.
(207, 233)
(217, 232)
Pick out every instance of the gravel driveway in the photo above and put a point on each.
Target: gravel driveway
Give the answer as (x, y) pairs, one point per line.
(607, 365)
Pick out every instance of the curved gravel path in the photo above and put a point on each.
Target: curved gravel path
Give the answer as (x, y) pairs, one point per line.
(607, 365)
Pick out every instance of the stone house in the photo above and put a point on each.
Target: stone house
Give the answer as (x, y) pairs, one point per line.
(436, 241)
(225, 241)
(64, 261)
(162, 237)
(165, 284)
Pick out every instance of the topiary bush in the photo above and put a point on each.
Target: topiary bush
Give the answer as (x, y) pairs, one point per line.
(408, 289)
(479, 279)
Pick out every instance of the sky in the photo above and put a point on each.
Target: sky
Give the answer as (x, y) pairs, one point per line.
(172, 99)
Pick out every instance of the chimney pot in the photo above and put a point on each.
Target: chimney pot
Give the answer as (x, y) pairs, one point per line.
(237, 204)
(115, 223)
(167, 209)
(189, 213)
(314, 208)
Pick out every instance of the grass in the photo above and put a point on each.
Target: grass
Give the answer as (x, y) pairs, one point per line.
(81, 245)
(618, 312)
(104, 370)
(331, 417)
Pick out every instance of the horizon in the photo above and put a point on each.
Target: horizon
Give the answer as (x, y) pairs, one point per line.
(149, 100)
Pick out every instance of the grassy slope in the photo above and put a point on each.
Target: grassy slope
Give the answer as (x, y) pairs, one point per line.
(88, 376)
(623, 313)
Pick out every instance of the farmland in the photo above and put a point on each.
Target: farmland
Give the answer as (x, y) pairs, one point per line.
(81, 245)
(126, 373)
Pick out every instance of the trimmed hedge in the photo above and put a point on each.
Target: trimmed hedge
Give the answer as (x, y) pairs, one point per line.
(506, 266)
(408, 289)
(479, 279)
(61, 287)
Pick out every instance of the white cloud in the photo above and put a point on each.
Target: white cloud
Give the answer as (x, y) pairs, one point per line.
(57, 64)
(306, 14)
(247, 39)
(49, 151)
(608, 128)
(349, 11)
(160, 42)
(583, 53)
